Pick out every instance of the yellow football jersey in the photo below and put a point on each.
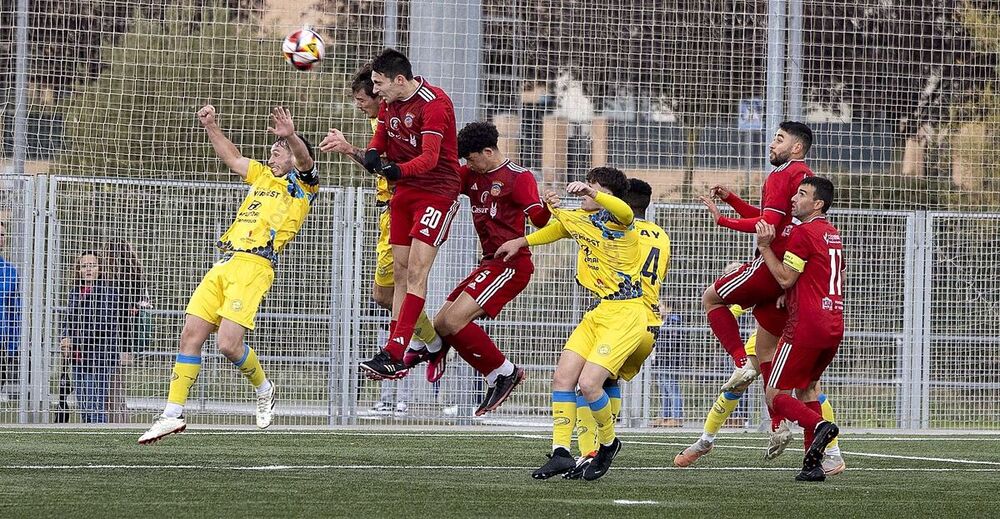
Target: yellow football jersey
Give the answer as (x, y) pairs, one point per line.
(272, 212)
(383, 193)
(654, 245)
(609, 260)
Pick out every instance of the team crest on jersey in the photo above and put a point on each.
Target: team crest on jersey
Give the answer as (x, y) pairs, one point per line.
(496, 187)
(604, 350)
(394, 123)
(787, 231)
(827, 303)
(408, 120)
(237, 305)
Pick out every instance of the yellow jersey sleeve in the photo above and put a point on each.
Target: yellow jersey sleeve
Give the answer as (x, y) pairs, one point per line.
(616, 206)
(794, 262)
(554, 231)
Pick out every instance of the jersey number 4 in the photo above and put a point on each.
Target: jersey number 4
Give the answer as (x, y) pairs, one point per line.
(836, 271)
(652, 264)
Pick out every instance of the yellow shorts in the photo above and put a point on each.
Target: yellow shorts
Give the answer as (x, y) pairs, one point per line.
(638, 357)
(232, 289)
(383, 253)
(610, 333)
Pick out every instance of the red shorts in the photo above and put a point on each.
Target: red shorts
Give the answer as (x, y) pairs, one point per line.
(753, 285)
(495, 283)
(417, 214)
(797, 367)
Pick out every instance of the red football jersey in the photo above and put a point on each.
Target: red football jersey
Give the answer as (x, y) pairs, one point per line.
(815, 302)
(402, 125)
(776, 195)
(500, 200)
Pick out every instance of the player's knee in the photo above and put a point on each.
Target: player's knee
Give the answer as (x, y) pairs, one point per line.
(446, 324)
(591, 389)
(563, 382)
(710, 298)
(382, 297)
(230, 348)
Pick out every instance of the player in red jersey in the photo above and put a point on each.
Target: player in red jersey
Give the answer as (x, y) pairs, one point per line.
(501, 194)
(416, 133)
(752, 285)
(811, 271)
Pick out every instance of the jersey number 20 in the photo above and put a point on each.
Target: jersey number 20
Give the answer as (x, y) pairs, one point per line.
(431, 218)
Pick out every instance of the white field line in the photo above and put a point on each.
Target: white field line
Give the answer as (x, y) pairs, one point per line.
(251, 468)
(724, 439)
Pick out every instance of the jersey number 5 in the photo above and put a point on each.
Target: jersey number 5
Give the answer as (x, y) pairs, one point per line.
(651, 266)
(836, 271)
(431, 218)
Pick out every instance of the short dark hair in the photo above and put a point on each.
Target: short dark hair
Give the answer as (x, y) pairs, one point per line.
(309, 146)
(362, 81)
(824, 190)
(611, 179)
(476, 137)
(800, 131)
(391, 63)
(638, 196)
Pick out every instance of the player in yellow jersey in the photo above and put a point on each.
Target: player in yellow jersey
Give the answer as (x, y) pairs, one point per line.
(655, 249)
(608, 265)
(726, 403)
(383, 287)
(226, 300)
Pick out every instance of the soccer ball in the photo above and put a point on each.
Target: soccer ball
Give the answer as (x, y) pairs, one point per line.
(303, 49)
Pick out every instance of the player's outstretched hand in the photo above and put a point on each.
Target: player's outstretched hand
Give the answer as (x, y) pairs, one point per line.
(281, 118)
(721, 192)
(551, 199)
(765, 234)
(509, 248)
(581, 189)
(712, 208)
(335, 141)
(206, 115)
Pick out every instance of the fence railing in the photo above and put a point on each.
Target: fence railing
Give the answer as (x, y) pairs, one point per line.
(921, 297)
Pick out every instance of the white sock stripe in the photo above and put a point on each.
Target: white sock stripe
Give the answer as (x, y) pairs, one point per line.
(495, 286)
(735, 283)
(446, 224)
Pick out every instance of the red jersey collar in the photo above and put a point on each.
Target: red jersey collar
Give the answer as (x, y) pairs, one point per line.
(419, 78)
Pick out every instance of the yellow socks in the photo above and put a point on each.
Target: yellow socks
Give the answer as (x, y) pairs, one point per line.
(249, 365)
(601, 409)
(423, 330)
(586, 427)
(824, 404)
(186, 369)
(721, 409)
(563, 418)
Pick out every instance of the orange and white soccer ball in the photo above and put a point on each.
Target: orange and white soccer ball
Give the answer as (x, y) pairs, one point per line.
(303, 49)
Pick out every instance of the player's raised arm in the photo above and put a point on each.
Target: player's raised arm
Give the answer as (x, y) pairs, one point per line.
(747, 225)
(616, 206)
(223, 147)
(784, 273)
(284, 127)
(739, 205)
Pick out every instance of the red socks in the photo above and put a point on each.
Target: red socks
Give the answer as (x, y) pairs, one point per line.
(809, 433)
(399, 338)
(791, 408)
(477, 348)
(725, 327)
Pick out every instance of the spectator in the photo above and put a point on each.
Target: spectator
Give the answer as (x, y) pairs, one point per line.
(10, 322)
(665, 366)
(91, 338)
(123, 272)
